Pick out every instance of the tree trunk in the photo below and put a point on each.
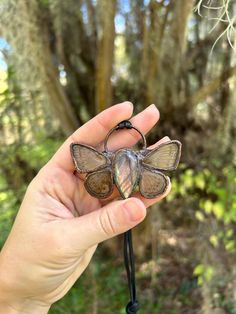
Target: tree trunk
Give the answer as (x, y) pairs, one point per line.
(106, 36)
(36, 72)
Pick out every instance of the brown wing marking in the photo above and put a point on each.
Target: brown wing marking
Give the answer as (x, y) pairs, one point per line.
(152, 183)
(99, 184)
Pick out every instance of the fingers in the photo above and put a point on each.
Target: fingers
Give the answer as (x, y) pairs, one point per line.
(107, 222)
(144, 121)
(92, 132)
(146, 201)
(161, 141)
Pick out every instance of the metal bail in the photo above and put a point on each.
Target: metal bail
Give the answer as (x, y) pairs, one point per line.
(126, 124)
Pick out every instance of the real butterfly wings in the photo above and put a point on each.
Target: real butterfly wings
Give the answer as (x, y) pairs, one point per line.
(87, 159)
(98, 182)
(99, 168)
(152, 183)
(164, 157)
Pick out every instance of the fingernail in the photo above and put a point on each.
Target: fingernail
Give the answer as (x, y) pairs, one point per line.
(166, 138)
(152, 107)
(127, 103)
(134, 209)
(154, 111)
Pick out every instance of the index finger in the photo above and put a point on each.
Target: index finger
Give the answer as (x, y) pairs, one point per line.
(92, 132)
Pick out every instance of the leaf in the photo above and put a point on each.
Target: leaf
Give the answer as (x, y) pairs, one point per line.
(207, 206)
(199, 215)
(218, 210)
(214, 240)
(230, 245)
(198, 270)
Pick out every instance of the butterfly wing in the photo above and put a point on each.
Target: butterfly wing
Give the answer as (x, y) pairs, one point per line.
(165, 157)
(87, 159)
(152, 183)
(99, 184)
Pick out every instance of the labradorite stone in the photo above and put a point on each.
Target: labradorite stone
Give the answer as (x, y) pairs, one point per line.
(126, 171)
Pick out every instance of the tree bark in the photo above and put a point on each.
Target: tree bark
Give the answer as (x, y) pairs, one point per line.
(36, 72)
(104, 66)
(212, 86)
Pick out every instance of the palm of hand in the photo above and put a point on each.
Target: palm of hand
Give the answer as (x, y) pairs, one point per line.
(45, 218)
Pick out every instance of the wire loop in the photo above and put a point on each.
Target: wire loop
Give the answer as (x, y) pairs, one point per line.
(126, 124)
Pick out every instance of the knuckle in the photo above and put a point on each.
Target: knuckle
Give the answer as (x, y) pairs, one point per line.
(106, 223)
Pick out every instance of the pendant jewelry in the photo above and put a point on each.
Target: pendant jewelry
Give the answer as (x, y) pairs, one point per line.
(128, 170)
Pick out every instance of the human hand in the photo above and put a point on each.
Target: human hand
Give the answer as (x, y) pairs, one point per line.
(59, 225)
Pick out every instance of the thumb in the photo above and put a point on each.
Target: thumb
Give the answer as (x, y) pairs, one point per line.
(107, 222)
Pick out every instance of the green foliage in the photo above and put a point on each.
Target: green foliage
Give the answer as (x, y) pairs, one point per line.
(215, 194)
(212, 195)
(37, 154)
(204, 273)
(8, 205)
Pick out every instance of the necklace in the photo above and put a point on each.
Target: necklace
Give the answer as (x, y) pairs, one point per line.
(127, 169)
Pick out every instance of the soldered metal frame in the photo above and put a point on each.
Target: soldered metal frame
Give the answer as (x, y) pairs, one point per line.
(110, 165)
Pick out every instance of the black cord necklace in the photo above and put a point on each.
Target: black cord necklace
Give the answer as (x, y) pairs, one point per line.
(133, 306)
(127, 169)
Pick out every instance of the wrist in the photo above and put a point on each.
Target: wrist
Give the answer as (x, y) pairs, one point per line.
(11, 302)
(25, 307)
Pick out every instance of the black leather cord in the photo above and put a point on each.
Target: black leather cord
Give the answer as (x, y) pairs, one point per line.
(133, 306)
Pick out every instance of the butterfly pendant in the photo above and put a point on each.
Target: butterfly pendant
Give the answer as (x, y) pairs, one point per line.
(126, 168)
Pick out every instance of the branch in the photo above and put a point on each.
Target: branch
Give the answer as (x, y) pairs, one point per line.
(212, 86)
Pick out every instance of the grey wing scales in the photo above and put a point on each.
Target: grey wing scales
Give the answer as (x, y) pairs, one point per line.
(99, 184)
(87, 159)
(152, 183)
(164, 157)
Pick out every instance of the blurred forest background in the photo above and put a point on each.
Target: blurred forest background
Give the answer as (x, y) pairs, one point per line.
(61, 62)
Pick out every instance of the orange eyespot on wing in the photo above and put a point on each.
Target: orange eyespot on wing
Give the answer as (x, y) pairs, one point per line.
(87, 159)
(152, 183)
(99, 184)
(164, 157)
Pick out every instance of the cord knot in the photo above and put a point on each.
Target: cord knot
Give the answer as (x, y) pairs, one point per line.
(132, 307)
(126, 124)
